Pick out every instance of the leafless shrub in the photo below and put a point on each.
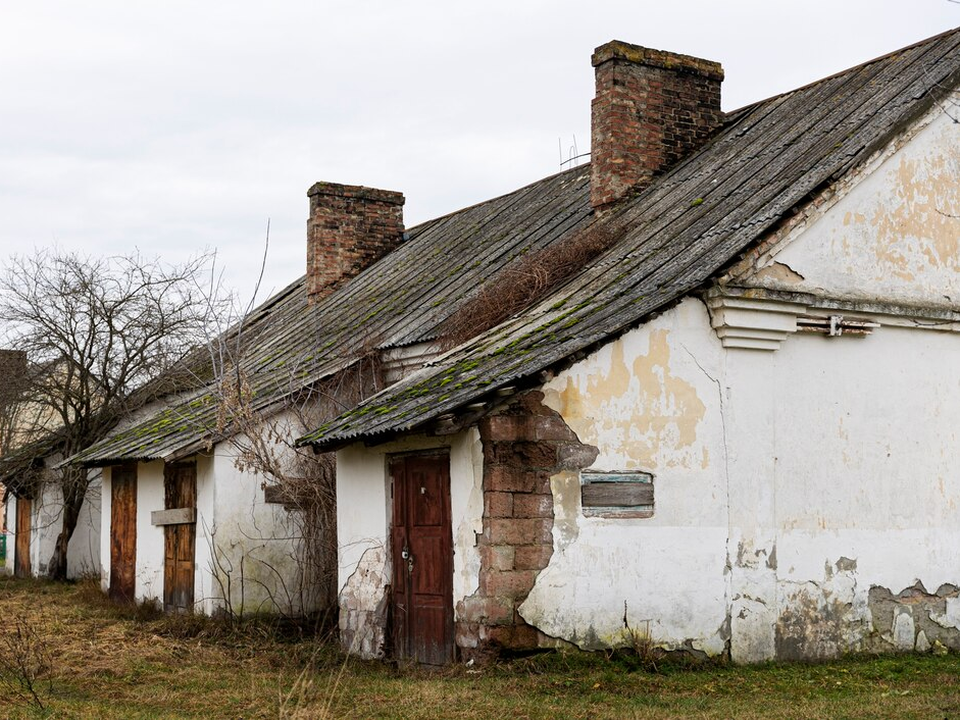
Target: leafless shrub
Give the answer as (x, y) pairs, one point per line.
(262, 435)
(526, 280)
(25, 660)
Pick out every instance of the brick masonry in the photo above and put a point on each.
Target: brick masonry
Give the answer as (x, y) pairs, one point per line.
(350, 227)
(651, 109)
(524, 444)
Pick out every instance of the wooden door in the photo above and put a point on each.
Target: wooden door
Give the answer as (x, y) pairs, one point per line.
(180, 491)
(123, 533)
(21, 558)
(422, 548)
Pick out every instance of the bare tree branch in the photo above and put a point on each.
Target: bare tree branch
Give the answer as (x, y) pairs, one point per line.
(98, 333)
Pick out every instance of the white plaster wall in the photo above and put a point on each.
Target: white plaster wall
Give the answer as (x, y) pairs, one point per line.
(83, 552)
(364, 518)
(787, 484)
(150, 540)
(265, 537)
(894, 235)
(204, 589)
(867, 470)
(106, 498)
(11, 532)
(83, 555)
(650, 401)
(6, 565)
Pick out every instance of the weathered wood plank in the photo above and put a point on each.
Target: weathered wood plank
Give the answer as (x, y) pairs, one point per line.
(176, 516)
(618, 494)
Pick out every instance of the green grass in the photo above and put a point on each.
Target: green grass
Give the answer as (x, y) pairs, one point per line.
(111, 662)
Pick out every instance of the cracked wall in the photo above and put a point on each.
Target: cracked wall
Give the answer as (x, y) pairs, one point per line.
(524, 444)
(808, 497)
(892, 233)
(648, 401)
(364, 600)
(915, 619)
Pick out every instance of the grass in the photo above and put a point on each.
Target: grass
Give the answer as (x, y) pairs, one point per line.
(112, 662)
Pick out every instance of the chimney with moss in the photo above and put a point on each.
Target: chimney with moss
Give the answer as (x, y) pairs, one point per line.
(350, 227)
(651, 110)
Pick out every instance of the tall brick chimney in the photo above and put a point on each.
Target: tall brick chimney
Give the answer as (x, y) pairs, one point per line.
(350, 227)
(652, 109)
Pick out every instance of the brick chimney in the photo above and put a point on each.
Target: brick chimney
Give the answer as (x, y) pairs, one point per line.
(652, 109)
(350, 227)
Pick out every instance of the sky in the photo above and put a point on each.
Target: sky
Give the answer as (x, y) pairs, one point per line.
(183, 127)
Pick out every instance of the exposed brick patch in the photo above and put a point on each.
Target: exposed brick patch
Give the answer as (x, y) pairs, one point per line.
(350, 227)
(651, 110)
(524, 444)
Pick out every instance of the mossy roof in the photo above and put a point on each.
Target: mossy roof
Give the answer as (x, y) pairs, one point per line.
(400, 300)
(768, 159)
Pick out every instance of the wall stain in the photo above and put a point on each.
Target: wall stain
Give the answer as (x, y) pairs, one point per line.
(650, 414)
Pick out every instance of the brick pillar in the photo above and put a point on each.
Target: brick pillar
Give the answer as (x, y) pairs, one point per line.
(350, 227)
(652, 109)
(523, 446)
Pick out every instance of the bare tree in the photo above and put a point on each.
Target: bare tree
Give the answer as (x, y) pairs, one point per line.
(97, 331)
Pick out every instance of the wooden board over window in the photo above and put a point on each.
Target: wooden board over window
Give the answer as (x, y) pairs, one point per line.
(617, 495)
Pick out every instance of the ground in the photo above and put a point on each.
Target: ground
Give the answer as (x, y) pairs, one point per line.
(90, 659)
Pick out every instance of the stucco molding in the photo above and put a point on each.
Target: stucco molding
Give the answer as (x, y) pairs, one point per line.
(760, 319)
(753, 324)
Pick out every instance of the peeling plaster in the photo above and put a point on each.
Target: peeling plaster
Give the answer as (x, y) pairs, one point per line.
(641, 409)
(915, 619)
(363, 605)
(891, 233)
(821, 619)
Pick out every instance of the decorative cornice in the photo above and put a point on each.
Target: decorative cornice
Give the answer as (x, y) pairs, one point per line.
(753, 324)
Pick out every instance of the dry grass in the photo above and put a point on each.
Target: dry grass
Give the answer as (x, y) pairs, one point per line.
(525, 281)
(108, 662)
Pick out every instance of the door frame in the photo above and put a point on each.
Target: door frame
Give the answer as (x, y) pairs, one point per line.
(403, 620)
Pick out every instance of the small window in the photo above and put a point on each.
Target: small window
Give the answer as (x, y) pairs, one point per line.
(617, 495)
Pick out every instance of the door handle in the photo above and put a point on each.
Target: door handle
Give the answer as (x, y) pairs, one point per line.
(408, 556)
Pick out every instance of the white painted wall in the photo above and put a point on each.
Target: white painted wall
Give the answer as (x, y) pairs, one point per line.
(83, 554)
(11, 533)
(106, 503)
(829, 467)
(893, 234)
(649, 401)
(150, 538)
(256, 562)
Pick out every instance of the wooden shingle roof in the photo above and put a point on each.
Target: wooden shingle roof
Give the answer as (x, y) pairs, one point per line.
(400, 300)
(700, 216)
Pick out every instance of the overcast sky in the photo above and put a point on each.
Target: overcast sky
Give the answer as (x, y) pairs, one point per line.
(180, 126)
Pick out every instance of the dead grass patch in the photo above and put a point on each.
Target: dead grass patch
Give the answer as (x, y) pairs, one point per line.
(107, 663)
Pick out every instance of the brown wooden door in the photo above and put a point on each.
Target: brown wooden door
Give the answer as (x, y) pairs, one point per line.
(123, 533)
(422, 547)
(21, 558)
(180, 491)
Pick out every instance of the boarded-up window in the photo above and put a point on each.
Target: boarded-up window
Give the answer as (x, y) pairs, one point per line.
(617, 495)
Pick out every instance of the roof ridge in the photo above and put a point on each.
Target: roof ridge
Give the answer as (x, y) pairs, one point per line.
(480, 203)
(852, 68)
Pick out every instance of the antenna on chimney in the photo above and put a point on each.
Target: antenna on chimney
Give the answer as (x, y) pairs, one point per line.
(572, 155)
